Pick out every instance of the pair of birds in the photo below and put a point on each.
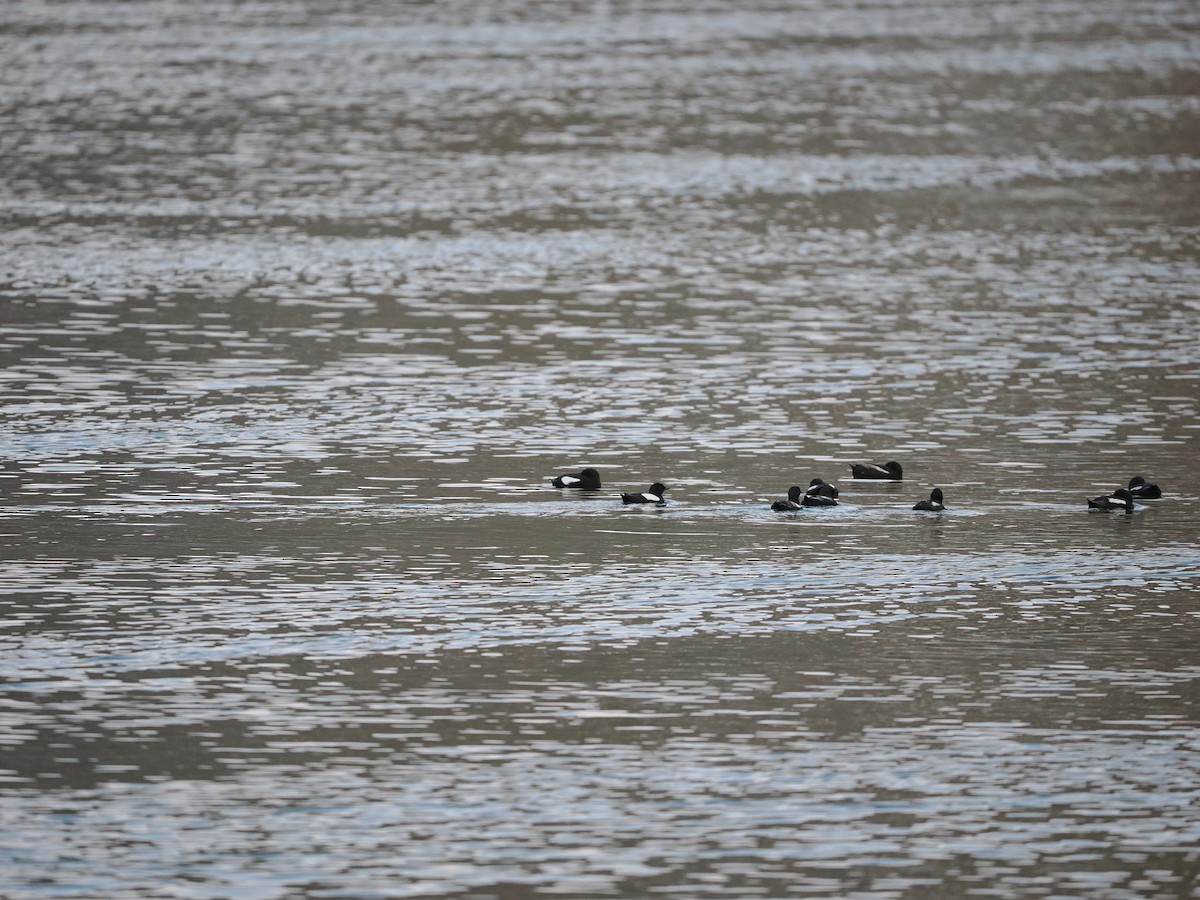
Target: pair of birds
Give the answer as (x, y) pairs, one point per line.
(589, 480)
(1122, 498)
(893, 471)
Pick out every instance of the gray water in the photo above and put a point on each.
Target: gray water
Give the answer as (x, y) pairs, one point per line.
(302, 306)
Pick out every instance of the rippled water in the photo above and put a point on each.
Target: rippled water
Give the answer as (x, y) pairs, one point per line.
(301, 306)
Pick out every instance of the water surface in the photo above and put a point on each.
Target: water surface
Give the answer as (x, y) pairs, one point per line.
(301, 308)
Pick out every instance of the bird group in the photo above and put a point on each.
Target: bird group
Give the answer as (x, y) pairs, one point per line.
(822, 493)
(819, 493)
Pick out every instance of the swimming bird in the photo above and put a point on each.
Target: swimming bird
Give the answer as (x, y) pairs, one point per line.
(821, 497)
(792, 503)
(935, 503)
(821, 486)
(1119, 499)
(654, 495)
(889, 470)
(1141, 489)
(587, 480)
